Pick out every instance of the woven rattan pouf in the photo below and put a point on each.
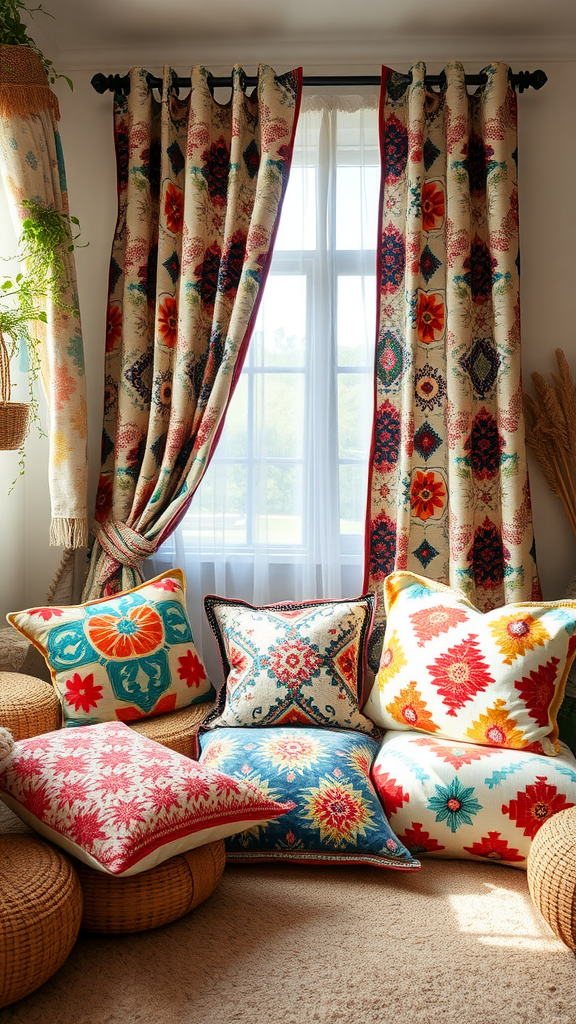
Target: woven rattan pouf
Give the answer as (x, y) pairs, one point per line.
(177, 729)
(40, 912)
(552, 874)
(28, 706)
(117, 906)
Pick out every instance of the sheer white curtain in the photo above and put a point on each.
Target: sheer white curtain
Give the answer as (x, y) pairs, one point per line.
(280, 512)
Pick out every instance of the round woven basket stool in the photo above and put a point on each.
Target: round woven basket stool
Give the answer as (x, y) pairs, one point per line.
(116, 906)
(552, 874)
(40, 912)
(177, 729)
(28, 706)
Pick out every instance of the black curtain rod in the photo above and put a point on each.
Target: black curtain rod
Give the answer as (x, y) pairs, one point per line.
(521, 80)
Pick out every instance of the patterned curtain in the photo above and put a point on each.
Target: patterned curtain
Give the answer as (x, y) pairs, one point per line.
(32, 168)
(200, 189)
(448, 492)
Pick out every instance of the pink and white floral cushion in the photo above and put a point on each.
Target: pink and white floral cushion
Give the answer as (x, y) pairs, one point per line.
(123, 803)
(467, 800)
(448, 669)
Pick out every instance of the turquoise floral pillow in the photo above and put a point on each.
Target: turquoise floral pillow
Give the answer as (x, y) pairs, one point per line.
(337, 816)
(124, 657)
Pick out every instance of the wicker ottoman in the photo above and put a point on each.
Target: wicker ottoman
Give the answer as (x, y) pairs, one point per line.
(40, 912)
(177, 729)
(117, 906)
(28, 706)
(552, 874)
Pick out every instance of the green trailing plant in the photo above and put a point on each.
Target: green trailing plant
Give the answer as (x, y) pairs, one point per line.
(44, 243)
(14, 32)
(45, 240)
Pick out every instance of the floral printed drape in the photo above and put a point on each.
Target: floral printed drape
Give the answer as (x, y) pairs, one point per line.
(32, 167)
(200, 191)
(448, 492)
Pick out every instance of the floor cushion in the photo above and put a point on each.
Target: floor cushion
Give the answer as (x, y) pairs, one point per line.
(337, 817)
(450, 799)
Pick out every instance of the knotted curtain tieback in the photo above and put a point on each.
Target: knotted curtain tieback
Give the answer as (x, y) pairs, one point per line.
(122, 547)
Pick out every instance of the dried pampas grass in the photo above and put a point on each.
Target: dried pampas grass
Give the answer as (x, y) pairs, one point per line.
(551, 432)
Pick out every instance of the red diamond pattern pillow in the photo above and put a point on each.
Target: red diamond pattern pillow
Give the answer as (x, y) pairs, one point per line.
(449, 670)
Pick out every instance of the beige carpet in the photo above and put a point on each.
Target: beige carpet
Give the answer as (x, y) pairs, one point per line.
(456, 943)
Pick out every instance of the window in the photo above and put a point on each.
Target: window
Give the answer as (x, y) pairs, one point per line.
(280, 512)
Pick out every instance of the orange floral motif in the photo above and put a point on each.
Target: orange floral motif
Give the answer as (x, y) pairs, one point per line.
(338, 811)
(429, 623)
(292, 752)
(168, 321)
(430, 317)
(138, 632)
(391, 661)
(517, 634)
(427, 493)
(497, 729)
(433, 205)
(409, 709)
(173, 208)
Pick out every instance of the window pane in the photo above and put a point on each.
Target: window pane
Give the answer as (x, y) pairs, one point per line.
(234, 440)
(278, 518)
(218, 511)
(297, 229)
(356, 320)
(280, 333)
(356, 207)
(279, 410)
(352, 498)
(354, 415)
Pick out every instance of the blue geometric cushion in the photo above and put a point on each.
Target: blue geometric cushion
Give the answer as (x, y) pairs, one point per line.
(337, 817)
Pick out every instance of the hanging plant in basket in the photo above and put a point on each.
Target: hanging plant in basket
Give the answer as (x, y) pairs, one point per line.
(46, 238)
(15, 318)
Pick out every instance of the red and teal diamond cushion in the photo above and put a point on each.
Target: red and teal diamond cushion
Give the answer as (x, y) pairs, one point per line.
(448, 669)
(123, 657)
(292, 664)
(121, 802)
(337, 816)
(467, 800)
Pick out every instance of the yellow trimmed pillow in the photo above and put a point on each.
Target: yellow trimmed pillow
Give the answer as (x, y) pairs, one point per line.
(121, 658)
(450, 670)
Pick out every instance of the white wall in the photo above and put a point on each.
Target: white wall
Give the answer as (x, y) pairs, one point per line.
(547, 162)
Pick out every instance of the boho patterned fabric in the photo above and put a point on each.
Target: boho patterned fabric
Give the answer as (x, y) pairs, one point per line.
(461, 800)
(447, 669)
(325, 773)
(200, 190)
(292, 664)
(449, 489)
(123, 803)
(125, 657)
(32, 167)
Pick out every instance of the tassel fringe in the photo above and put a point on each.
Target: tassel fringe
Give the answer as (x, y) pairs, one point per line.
(26, 100)
(69, 533)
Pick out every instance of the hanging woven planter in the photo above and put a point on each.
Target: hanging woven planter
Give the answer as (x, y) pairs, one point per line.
(24, 85)
(13, 415)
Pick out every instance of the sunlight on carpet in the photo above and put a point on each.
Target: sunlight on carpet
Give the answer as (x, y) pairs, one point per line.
(500, 917)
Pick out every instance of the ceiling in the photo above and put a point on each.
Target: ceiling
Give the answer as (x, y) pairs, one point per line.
(99, 33)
